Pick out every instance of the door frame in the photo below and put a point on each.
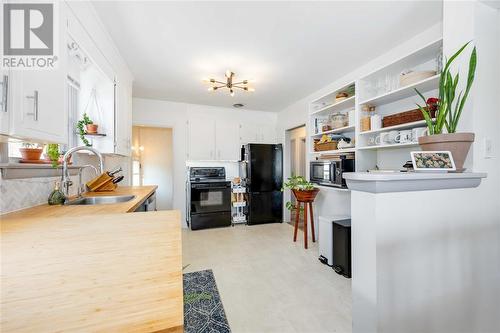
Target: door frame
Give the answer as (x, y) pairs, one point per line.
(287, 167)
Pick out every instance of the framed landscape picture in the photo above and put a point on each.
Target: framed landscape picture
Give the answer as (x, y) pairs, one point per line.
(432, 161)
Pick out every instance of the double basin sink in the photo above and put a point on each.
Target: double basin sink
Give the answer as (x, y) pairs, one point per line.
(111, 199)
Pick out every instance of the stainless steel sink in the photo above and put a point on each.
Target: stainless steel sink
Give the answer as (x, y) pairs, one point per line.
(110, 199)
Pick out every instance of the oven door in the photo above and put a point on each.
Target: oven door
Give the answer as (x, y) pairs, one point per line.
(321, 173)
(210, 197)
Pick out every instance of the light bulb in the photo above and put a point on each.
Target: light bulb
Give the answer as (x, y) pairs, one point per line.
(228, 73)
(141, 148)
(205, 79)
(211, 88)
(251, 89)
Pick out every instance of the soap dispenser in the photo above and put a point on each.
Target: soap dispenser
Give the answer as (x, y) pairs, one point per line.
(57, 197)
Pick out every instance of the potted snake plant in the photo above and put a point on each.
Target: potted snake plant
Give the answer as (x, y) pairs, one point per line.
(449, 107)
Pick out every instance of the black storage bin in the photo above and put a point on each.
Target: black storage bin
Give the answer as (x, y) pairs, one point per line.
(342, 247)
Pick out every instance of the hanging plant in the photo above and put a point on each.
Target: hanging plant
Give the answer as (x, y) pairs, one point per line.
(53, 154)
(81, 125)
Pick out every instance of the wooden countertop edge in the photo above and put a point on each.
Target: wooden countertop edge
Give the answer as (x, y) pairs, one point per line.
(44, 210)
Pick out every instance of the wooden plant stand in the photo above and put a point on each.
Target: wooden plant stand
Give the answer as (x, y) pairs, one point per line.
(306, 198)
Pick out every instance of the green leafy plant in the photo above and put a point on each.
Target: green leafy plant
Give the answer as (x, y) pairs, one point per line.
(53, 153)
(80, 126)
(31, 145)
(449, 109)
(297, 183)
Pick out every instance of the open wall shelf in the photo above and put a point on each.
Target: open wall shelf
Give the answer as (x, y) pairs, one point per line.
(390, 99)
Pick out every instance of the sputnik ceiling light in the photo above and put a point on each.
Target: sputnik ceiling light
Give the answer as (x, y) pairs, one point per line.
(229, 84)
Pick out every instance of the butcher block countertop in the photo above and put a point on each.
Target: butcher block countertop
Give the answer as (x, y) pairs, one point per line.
(92, 273)
(141, 193)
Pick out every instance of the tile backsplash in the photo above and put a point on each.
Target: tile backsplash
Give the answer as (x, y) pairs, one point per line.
(16, 194)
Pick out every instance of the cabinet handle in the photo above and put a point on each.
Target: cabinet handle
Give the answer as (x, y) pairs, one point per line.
(5, 93)
(35, 105)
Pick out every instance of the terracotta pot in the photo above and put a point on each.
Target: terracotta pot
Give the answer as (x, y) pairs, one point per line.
(92, 128)
(305, 196)
(31, 154)
(458, 143)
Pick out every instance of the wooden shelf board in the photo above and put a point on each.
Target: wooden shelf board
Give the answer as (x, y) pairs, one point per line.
(342, 105)
(404, 92)
(396, 145)
(336, 130)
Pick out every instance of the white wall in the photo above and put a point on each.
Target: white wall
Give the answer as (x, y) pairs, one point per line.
(297, 114)
(174, 115)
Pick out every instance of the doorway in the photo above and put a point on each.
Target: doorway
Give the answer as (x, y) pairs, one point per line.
(152, 162)
(296, 163)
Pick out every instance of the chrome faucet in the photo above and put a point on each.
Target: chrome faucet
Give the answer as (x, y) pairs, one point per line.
(66, 181)
(81, 186)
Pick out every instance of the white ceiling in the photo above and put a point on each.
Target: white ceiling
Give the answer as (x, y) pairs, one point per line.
(291, 49)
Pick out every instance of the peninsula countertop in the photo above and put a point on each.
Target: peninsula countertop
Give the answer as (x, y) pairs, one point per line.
(141, 193)
(92, 273)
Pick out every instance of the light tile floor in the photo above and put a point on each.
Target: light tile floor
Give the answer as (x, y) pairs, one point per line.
(268, 283)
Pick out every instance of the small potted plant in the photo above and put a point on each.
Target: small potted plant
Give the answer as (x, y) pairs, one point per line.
(84, 126)
(53, 154)
(301, 189)
(448, 109)
(31, 151)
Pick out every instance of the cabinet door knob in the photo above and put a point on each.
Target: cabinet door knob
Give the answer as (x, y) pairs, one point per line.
(35, 105)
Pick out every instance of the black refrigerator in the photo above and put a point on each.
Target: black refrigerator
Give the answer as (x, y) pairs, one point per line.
(263, 164)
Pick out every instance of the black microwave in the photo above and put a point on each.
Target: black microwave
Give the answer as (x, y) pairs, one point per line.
(329, 172)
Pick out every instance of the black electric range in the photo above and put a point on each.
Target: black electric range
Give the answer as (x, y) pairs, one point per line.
(209, 195)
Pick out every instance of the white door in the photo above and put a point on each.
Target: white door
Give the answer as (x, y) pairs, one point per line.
(227, 141)
(201, 138)
(4, 102)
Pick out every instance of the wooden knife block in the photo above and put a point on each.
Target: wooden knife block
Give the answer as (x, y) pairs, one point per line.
(102, 183)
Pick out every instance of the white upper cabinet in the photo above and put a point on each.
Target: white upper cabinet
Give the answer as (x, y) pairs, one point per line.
(123, 118)
(257, 133)
(5, 100)
(227, 143)
(39, 98)
(201, 139)
(267, 134)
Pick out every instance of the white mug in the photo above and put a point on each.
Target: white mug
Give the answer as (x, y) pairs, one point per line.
(418, 132)
(404, 136)
(382, 138)
(392, 137)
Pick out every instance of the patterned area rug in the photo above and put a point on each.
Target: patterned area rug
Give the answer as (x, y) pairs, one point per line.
(203, 309)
